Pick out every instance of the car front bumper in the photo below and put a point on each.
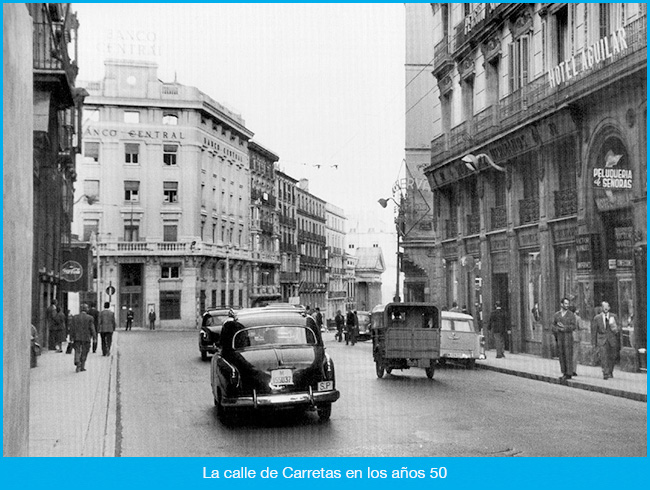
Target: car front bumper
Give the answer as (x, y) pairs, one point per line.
(282, 399)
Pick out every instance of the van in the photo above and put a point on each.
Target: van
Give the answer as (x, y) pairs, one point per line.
(460, 341)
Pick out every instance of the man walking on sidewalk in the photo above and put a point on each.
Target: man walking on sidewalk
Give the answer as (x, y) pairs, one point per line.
(564, 323)
(603, 337)
(82, 330)
(498, 325)
(106, 328)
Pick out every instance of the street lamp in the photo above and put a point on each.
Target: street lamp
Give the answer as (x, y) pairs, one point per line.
(472, 162)
(383, 203)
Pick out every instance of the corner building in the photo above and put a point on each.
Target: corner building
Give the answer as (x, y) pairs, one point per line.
(164, 186)
(537, 163)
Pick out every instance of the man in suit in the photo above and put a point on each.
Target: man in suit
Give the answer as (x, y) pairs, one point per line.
(106, 328)
(564, 323)
(604, 331)
(82, 330)
(498, 325)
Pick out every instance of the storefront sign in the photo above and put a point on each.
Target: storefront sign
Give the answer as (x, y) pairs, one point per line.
(529, 238)
(74, 271)
(71, 271)
(498, 243)
(612, 178)
(624, 237)
(583, 252)
(134, 133)
(588, 59)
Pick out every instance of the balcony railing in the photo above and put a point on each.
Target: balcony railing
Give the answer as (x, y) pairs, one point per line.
(336, 294)
(289, 276)
(51, 50)
(528, 211)
(473, 223)
(266, 290)
(498, 217)
(566, 202)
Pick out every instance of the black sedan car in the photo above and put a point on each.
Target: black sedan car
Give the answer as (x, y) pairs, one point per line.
(210, 332)
(272, 358)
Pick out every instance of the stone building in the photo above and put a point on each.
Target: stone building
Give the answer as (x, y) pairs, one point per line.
(335, 242)
(536, 122)
(288, 235)
(164, 185)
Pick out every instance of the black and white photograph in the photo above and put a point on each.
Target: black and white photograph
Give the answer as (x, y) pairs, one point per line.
(337, 231)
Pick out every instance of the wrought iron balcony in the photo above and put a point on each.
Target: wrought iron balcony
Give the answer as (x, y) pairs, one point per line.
(566, 202)
(498, 217)
(528, 211)
(51, 46)
(289, 276)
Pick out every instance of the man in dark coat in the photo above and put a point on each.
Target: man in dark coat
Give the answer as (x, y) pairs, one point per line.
(92, 311)
(82, 330)
(106, 328)
(339, 321)
(604, 331)
(498, 325)
(564, 323)
(318, 316)
(351, 325)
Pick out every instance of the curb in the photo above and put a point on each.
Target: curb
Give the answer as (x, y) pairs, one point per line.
(640, 397)
(110, 429)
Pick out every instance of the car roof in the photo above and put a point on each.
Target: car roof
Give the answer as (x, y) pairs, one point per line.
(453, 315)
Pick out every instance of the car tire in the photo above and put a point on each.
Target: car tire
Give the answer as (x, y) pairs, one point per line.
(379, 368)
(222, 414)
(324, 411)
(429, 370)
(204, 355)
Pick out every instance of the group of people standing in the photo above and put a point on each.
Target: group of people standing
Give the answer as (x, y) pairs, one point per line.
(351, 325)
(565, 327)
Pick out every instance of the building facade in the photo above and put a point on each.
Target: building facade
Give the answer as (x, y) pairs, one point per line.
(537, 122)
(335, 243)
(288, 235)
(265, 233)
(311, 224)
(164, 187)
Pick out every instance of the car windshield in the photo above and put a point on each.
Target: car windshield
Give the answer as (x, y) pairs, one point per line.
(212, 321)
(363, 317)
(458, 325)
(273, 336)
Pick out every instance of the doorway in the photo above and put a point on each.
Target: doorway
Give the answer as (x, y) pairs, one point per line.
(131, 293)
(500, 294)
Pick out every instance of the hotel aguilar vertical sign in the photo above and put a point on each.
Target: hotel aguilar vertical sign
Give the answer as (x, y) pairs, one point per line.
(76, 276)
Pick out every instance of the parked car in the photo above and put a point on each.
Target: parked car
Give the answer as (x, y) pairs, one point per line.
(460, 340)
(364, 325)
(211, 323)
(272, 358)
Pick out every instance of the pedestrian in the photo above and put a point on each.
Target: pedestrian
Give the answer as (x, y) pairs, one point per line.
(564, 323)
(349, 327)
(50, 313)
(576, 341)
(92, 311)
(318, 316)
(68, 319)
(57, 329)
(82, 329)
(106, 328)
(339, 321)
(498, 325)
(35, 349)
(464, 310)
(454, 307)
(129, 319)
(152, 320)
(604, 330)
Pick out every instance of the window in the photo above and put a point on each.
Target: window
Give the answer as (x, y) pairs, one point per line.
(90, 227)
(132, 117)
(518, 63)
(170, 233)
(131, 232)
(132, 190)
(91, 189)
(170, 271)
(170, 119)
(131, 151)
(604, 19)
(170, 305)
(169, 154)
(562, 34)
(91, 150)
(170, 191)
(91, 114)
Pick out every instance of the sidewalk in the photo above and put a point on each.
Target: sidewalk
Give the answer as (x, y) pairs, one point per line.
(70, 413)
(627, 385)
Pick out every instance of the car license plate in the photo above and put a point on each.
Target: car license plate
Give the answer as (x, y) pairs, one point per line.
(325, 385)
(281, 377)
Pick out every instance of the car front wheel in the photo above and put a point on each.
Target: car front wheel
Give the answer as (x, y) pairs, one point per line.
(324, 411)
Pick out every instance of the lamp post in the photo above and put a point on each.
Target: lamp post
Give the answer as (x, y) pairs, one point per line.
(383, 203)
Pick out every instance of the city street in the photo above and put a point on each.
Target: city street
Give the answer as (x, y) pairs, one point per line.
(165, 408)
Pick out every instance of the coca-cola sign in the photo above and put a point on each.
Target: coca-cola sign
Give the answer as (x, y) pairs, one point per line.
(71, 271)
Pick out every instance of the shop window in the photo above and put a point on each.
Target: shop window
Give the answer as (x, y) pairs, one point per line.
(131, 152)
(169, 271)
(169, 154)
(170, 305)
(170, 192)
(132, 190)
(91, 150)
